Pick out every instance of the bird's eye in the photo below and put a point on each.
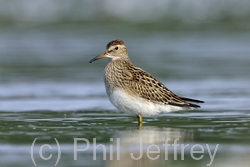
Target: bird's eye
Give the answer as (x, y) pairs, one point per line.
(116, 48)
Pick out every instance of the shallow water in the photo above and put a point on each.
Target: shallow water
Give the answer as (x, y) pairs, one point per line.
(228, 129)
(49, 90)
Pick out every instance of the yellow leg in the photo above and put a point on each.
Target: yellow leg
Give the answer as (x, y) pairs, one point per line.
(139, 117)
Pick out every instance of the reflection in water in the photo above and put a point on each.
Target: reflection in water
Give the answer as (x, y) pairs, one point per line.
(147, 146)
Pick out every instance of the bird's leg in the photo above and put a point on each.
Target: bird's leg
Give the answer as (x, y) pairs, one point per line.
(139, 117)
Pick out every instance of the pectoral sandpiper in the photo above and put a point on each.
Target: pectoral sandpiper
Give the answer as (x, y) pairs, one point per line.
(133, 90)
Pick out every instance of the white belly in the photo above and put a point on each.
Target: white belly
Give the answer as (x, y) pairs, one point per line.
(138, 106)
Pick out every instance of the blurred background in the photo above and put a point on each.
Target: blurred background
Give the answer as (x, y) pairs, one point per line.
(199, 49)
(46, 45)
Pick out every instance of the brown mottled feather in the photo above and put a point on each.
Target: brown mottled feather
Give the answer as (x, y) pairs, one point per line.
(140, 83)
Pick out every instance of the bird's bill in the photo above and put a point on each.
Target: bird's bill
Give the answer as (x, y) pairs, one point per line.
(103, 55)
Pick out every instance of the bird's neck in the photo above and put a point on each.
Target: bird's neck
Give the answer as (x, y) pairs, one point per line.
(120, 63)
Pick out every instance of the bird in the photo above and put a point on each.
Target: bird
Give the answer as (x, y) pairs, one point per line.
(135, 91)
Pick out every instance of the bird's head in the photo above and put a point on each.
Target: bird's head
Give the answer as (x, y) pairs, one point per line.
(115, 50)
